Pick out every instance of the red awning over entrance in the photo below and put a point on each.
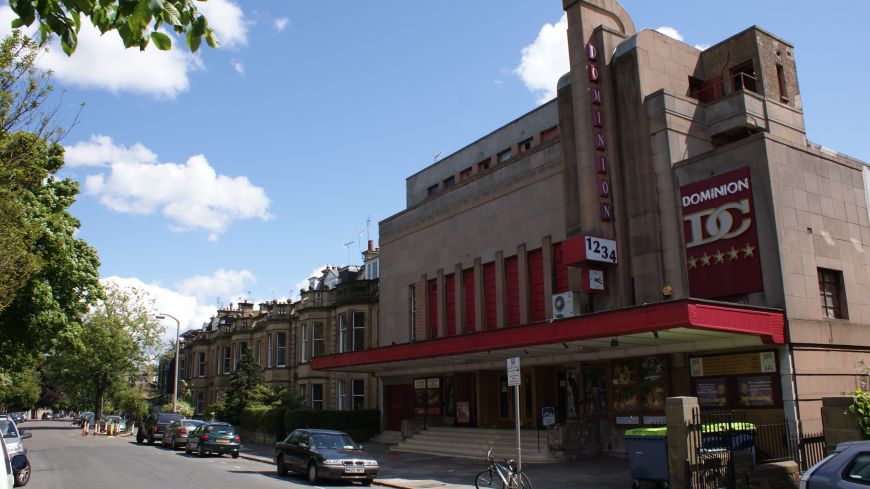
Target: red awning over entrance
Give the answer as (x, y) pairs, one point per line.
(661, 325)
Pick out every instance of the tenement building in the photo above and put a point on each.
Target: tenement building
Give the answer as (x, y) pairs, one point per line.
(338, 313)
(662, 228)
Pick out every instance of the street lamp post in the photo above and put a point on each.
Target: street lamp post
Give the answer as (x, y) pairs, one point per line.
(163, 315)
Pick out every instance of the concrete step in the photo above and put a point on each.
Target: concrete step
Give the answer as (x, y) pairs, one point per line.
(473, 443)
(388, 437)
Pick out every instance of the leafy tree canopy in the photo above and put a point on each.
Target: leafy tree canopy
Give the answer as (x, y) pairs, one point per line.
(137, 22)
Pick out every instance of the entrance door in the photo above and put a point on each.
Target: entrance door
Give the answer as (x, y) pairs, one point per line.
(399, 401)
(507, 403)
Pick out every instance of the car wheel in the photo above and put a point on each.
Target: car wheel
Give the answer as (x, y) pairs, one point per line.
(174, 443)
(150, 439)
(200, 451)
(235, 454)
(367, 482)
(187, 447)
(282, 467)
(312, 473)
(139, 438)
(22, 477)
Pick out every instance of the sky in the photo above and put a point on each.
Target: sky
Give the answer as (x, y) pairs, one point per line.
(236, 173)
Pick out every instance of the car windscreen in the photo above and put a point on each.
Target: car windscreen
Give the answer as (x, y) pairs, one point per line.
(333, 441)
(222, 429)
(168, 418)
(8, 429)
(192, 424)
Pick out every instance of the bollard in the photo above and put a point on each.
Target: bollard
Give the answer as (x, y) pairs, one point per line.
(84, 428)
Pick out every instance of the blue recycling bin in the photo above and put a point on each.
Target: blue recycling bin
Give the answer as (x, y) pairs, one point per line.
(742, 436)
(648, 454)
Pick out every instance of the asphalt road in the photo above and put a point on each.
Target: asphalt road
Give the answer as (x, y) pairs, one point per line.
(62, 459)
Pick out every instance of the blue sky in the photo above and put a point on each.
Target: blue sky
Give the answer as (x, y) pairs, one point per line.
(237, 172)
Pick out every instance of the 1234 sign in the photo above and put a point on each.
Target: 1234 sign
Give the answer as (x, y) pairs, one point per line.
(600, 249)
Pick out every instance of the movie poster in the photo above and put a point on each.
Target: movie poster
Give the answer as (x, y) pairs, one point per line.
(625, 373)
(626, 401)
(755, 391)
(596, 391)
(652, 369)
(712, 392)
(653, 398)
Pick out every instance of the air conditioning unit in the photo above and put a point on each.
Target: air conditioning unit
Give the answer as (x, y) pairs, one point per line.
(566, 304)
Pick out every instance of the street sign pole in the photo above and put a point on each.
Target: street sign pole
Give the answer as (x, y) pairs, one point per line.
(513, 375)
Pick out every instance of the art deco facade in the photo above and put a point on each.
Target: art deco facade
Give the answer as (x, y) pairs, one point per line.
(663, 227)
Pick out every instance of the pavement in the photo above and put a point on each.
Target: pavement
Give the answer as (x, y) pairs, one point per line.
(403, 470)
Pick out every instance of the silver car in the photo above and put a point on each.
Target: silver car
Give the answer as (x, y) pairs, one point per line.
(176, 433)
(15, 450)
(847, 468)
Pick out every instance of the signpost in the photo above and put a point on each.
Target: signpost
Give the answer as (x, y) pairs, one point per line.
(513, 375)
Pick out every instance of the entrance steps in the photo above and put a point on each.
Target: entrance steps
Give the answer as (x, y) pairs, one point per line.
(388, 437)
(474, 442)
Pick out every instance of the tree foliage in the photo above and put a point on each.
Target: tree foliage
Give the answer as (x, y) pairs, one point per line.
(20, 389)
(122, 336)
(137, 22)
(48, 277)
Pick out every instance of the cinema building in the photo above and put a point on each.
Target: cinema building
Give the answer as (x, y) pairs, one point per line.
(662, 228)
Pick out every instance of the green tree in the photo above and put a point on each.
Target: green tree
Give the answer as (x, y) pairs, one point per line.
(122, 336)
(20, 390)
(137, 22)
(48, 277)
(246, 387)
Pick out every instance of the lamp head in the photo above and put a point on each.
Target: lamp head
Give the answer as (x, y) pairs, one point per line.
(160, 316)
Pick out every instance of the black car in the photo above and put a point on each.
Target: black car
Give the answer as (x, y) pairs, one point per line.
(324, 454)
(154, 426)
(216, 437)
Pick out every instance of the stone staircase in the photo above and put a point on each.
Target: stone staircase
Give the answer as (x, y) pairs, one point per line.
(474, 442)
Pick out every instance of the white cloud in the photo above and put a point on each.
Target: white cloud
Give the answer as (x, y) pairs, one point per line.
(281, 23)
(702, 47)
(228, 21)
(239, 67)
(670, 32)
(190, 311)
(191, 195)
(101, 151)
(545, 60)
(226, 284)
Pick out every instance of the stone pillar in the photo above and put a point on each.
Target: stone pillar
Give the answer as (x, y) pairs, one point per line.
(678, 411)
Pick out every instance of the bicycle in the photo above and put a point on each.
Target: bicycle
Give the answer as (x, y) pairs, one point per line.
(502, 476)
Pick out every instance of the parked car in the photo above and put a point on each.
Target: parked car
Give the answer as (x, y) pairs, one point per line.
(847, 468)
(324, 454)
(14, 448)
(8, 477)
(217, 438)
(154, 426)
(115, 419)
(83, 417)
(176, 433)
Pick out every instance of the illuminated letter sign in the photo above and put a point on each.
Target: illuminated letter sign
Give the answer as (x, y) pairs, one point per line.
(719, 231)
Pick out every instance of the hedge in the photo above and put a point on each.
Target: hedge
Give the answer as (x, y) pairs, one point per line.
(264, 418)
(361, 424)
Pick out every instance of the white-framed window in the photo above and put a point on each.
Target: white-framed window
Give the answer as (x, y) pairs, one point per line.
(358, 392)
(226, 360)
(269, 350)
(343, 333)
(342, 395)
(359, 331)
(200, 364)
(280, 349)
(303, 333)
(318, 347)
(316, 396)
(200, 402)
(412, 313)
(372, 271)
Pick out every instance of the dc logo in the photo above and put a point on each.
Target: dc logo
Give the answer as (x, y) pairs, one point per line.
(717, 223)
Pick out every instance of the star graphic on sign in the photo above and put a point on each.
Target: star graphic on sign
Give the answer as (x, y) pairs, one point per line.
(693, 262)
(720, 257)
(733, 254)
(705, 260)
(748, 251)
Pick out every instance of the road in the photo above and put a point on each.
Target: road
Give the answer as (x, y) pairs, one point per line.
(62, 459)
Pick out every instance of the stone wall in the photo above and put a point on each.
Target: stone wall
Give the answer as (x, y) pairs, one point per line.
(575, 440)
(839, 424)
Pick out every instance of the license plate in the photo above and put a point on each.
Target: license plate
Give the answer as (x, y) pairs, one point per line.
(223, 440)
(354, 470)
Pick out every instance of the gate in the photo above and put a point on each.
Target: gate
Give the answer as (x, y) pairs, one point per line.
(720, 441)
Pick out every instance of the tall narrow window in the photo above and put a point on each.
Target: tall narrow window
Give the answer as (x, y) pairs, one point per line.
(226, 359)
(342, 395)
(412, 313)
(280, 349)
(257, 352)
(316, 396)
(200, 402)
(780, 79)
(432, 320)
(358, 388)
(269, 350)
(343, 333)
(831, 294)
(318, 346)
(359, 331)
(303, 332)
(303, 398)
(200, 364)
(235, 355)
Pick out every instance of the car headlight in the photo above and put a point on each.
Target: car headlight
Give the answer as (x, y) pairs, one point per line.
(15, 449)
(370, 463)
(332, 462)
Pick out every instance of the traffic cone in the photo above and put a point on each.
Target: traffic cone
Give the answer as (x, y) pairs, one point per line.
(84, 428)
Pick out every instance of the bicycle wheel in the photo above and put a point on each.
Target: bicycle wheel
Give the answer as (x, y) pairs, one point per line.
(519, 481)
(486, 480)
